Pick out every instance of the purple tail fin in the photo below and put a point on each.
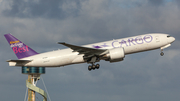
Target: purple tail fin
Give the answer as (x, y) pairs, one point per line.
(20, 49)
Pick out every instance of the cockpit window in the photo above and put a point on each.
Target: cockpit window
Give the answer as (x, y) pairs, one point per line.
(168, 36)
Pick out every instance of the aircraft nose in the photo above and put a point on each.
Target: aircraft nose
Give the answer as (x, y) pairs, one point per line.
(171, 39)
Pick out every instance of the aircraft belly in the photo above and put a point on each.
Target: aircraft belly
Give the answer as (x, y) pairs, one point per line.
(57, 61)
(78, 59)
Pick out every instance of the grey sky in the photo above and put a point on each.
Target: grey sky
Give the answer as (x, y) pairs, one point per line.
(142, 76)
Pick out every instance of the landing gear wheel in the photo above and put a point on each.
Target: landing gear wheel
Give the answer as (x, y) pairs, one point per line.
(97, 66)
(161, 53)
(93, 67)
(89, 67)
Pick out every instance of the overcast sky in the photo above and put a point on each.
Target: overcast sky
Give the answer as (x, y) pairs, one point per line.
(140, 77)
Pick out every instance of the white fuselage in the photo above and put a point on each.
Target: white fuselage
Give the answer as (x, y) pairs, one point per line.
(131, 45)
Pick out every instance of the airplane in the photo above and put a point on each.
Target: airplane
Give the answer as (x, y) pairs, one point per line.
(112, 51)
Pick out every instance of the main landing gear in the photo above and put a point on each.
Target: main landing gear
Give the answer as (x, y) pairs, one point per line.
(93, 67)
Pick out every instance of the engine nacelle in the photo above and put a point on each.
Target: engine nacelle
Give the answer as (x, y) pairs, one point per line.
(116, 54)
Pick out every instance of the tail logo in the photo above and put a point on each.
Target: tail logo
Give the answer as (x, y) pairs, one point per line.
(20, 49)
(14, 42)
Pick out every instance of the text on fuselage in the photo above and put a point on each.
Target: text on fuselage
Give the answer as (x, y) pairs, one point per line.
(132, 41)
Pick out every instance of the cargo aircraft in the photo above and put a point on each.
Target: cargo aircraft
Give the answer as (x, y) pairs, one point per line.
(112, 51)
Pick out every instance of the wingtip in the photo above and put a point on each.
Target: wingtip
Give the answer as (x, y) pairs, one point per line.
(61, 42)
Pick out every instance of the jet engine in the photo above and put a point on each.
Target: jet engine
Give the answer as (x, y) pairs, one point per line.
(115, 55)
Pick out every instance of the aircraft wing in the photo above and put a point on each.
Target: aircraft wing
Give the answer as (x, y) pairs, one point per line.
(88, 52)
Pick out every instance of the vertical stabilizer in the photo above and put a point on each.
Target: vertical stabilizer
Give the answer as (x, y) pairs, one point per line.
(20, 49)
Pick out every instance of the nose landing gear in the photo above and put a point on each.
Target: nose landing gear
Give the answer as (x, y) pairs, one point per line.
(164, 48)
(161, 52)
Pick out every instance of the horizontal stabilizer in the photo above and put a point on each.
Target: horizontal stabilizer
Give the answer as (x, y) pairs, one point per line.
(18, 62)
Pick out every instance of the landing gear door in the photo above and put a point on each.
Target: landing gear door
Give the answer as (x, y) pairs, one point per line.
(157, 39)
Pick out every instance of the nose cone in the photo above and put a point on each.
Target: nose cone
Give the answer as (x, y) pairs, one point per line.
(171, 39)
